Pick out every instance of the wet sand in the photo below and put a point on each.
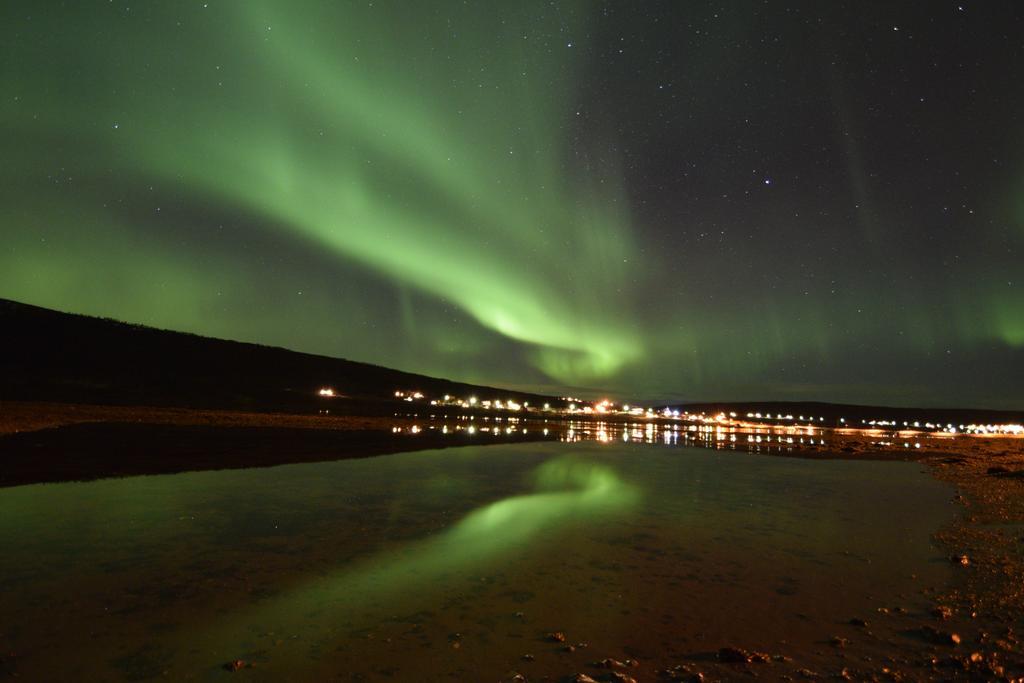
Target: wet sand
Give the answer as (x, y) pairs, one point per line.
(967, 628)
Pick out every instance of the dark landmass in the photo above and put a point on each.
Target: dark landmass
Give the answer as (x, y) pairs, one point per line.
(47, 355)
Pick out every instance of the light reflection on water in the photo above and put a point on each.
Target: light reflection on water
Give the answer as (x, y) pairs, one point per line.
(761, 439)
(453, 564)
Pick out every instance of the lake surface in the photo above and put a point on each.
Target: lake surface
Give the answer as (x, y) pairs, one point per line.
(453, 564)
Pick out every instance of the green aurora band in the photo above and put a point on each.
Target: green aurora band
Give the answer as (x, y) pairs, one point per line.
(367, 151)
(408, 185)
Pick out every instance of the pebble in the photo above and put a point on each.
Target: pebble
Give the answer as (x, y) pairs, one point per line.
(733, 655)
(621, 677)
(940, 637)
(680, 672)
(235, 665)
(615, 664)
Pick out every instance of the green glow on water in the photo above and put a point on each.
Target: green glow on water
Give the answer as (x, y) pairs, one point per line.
(568, 491)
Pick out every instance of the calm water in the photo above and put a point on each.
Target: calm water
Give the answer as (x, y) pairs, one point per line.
(453, 564)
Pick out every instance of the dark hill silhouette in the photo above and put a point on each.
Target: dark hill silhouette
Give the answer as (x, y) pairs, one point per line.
(47, 355)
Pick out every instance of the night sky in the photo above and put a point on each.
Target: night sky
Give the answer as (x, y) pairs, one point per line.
(749, 200)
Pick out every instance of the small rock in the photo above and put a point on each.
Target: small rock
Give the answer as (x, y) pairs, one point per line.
(583, 678)
(733, 655)
(807, 673)
(962, 560)
(892, 674)
(942, 612)
(836, 641)
(856, 621)
(940, 637)
(621, 677)
(528, 657)
(555, 637)
(611, 664)
(682, 672)
(235, 665)
(569, 648)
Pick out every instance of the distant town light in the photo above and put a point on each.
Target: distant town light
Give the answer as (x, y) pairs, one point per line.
(326, 391)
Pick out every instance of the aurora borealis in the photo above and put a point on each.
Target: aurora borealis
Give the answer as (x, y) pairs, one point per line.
(685, 200)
